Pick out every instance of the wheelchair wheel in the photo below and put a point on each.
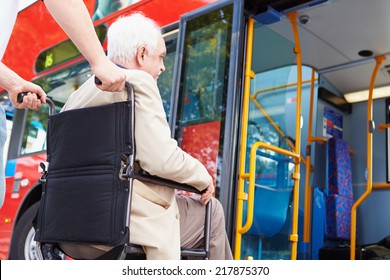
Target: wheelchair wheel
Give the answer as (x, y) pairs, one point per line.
(23, 246)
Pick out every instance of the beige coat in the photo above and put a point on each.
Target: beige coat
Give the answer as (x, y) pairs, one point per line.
(154, 215)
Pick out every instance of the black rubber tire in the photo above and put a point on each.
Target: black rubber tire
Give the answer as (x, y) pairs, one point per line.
(20, 234)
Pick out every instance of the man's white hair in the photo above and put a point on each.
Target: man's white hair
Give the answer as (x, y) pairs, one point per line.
(129, 33)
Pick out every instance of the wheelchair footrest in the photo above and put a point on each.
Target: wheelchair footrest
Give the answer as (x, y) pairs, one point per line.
(201, 253)
(134, 249)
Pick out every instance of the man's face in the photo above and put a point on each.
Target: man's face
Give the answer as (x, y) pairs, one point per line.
(154, 63)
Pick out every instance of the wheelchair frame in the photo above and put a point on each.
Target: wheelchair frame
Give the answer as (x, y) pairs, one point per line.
(129, 170)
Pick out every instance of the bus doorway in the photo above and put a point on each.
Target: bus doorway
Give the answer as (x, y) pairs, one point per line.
(270, 134)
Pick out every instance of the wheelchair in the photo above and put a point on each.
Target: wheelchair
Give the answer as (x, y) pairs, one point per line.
(87, 185)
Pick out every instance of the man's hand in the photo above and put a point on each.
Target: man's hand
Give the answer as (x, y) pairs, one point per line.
(111, 76)
(208, 194)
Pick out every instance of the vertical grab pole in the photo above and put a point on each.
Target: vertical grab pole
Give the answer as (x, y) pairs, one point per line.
(370, 131)
(308, 196)
(241, 195)
(296, 176)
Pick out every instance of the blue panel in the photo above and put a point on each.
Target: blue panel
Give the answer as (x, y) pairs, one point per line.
(10, 168)
(270, 211)
(268, 17)
(318, 222)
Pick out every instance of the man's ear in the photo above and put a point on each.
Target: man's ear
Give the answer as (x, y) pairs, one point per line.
(141, 52)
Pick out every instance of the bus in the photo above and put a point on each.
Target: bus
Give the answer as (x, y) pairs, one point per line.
(283, 101)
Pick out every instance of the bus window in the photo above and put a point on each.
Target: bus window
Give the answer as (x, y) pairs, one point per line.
(106, 7)
(165, 80)
(203, 87)
(64, 52)
(34, 138)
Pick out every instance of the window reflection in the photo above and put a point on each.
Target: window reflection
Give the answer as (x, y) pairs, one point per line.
(165, 80)
(34, 138)
(203, 88)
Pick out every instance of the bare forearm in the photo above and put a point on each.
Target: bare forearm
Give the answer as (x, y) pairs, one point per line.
(74, 19)
(9, 80)
(14, 84)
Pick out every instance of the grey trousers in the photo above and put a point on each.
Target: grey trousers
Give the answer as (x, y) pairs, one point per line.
(192, 214)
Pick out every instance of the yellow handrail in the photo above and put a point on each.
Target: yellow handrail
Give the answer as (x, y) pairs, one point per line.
(383, 126)
(271, 121)
(279, 87)
(378, 186)
(241, 195)
(379, 60)
(318, 139)
(268, 117)
(252, 171)
(308, 198)
(294, 231)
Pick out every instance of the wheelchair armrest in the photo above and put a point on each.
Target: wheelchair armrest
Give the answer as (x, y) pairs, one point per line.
(144, 176)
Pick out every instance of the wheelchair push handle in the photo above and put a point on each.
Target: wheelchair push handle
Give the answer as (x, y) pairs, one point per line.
(98, 81)
(49, 102)
(128, 86)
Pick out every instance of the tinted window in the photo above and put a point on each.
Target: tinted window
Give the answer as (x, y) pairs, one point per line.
(63, 52)
(203, 87)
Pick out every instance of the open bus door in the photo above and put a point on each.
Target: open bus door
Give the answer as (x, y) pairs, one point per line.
(267, 157)
(209, 111)
(270, 146)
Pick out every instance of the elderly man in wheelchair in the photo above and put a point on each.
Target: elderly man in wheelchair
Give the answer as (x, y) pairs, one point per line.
(113, 168)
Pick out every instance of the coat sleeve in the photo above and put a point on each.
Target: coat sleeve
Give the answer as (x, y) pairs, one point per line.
(156, 152)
